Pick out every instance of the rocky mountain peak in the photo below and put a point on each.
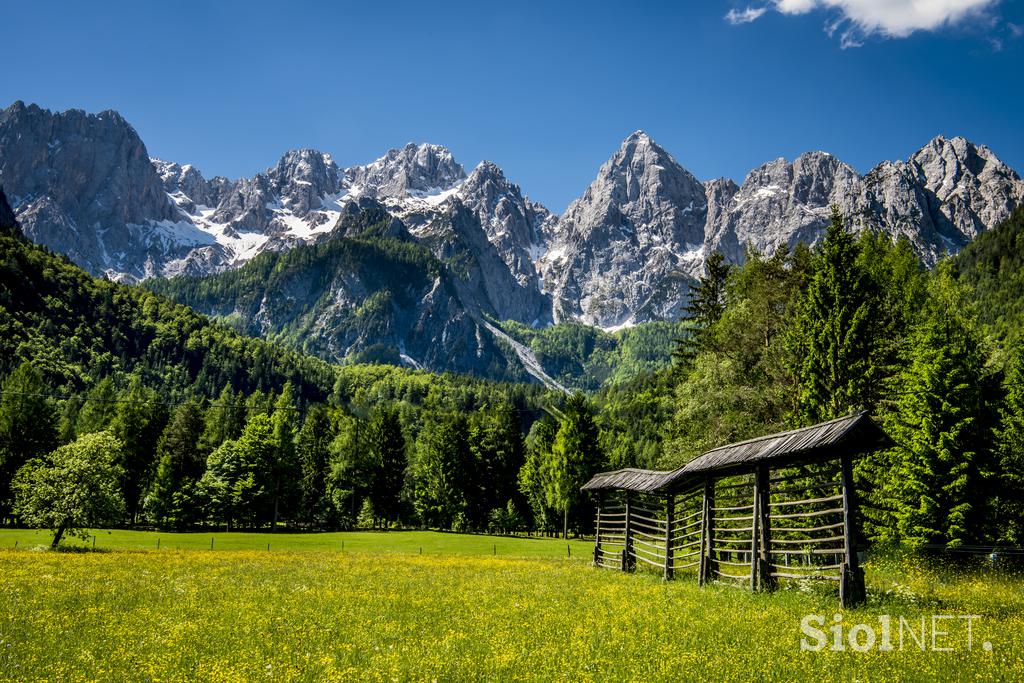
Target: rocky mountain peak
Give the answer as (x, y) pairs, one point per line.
(186, 185)
(639, 222)
(82, 184)
(302, 177)
(487, 182)
(414, 170)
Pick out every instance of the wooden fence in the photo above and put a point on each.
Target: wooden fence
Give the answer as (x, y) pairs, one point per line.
(749, 529)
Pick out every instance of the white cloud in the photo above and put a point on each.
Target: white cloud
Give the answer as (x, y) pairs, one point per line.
(736, 17)
(889, 18)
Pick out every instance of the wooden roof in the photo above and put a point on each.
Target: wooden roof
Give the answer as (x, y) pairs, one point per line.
(855, 434)
(630, 479)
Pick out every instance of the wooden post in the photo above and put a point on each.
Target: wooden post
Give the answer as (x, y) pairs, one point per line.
(627, 537)
(765, 579)
(851, 584)
(597, 530)
(755, 533)
(670, 515)
(707, 534)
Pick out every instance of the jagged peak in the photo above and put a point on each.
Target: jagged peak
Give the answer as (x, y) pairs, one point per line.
(638, 136)
(304, 155)
(486, 171)
(415, 168)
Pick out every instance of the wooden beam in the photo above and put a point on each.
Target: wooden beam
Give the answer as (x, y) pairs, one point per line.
(755, 535)
(627, 532)
(597, 530)
(851, 586)
(707, 534)
(765, 579)
(670, 514)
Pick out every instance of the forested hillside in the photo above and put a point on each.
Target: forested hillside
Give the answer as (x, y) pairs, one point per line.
(993, 266)
(210, 427)
(588, 357)
(75, 329)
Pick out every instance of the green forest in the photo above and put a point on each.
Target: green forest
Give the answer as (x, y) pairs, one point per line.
(199, 426)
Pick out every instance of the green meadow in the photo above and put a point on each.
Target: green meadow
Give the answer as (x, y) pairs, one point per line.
(403, 542)
(381, 611)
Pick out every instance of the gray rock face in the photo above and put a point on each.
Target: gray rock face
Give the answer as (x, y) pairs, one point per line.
(621, 253)
(272, 203)
(84, 185)
(608, 265)
(187, 187)
(414, 170)
(517, 230)
(942, 197)
(782, 203)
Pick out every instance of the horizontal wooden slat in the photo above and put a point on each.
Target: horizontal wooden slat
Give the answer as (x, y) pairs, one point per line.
(812, 577)
(680, 567)
(808, 568)
(741, 518)
(795, 541)
(813, 551)
(736, 530)
(810, 487)
(655, 546)
(732, 576)
(688, 517)
(809, 501)
(793, 530)
(733, 564)
(805, 476)
(801, 515)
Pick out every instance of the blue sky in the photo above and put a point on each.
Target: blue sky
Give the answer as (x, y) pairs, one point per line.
(546, 90)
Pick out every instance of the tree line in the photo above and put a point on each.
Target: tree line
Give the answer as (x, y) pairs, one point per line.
(267, 461)
(804, 336)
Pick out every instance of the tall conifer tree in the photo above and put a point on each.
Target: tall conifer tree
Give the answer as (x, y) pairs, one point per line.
(938, 477)
(833, 337)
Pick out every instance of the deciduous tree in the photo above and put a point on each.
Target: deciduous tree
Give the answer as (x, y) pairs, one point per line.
(72, 489)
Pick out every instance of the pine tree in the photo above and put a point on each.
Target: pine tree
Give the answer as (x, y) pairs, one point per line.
(442, 459)
(939, 475)
(499, 452)
(531, 480)
(139, 421)
(285, 470)
(224, 419)
(239, 482)
(832, 340)
(705, 307)
(1010, 450)
(173, 499)
(99, 408)
(28, 425)
(386, 449)
(313, 450)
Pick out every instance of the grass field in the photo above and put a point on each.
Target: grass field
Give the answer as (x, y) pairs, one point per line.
(315, 615)
(405, 542)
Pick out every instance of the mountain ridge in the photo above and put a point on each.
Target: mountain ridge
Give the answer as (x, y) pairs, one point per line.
(625, 252)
